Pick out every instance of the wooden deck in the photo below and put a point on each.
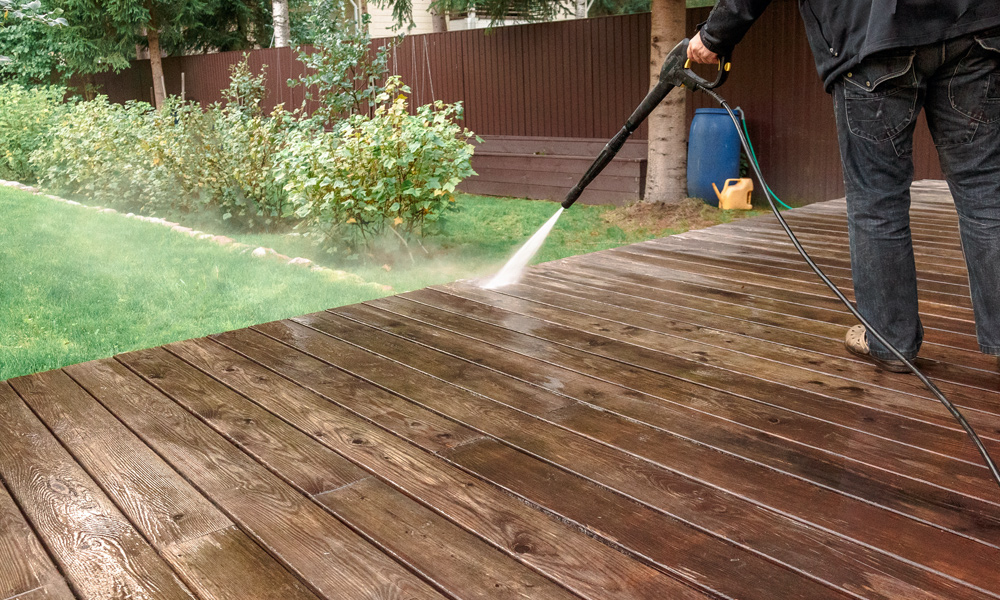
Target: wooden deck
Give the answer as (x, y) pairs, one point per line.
(673, 419)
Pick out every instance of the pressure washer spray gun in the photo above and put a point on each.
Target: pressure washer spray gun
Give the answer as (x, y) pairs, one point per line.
(674, 73)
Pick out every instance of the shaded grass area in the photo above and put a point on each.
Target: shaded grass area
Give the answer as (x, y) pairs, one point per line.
(77, 285)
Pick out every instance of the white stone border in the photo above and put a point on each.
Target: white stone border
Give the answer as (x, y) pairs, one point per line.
(259, 252)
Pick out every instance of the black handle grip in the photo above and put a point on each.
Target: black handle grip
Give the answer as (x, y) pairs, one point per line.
(679, 74)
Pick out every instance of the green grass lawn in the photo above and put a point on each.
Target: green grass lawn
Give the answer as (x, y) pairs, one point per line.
(77, 285)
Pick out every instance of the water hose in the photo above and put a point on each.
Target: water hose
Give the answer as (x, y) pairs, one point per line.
(675, 73)
(854, 311)
(753, 158)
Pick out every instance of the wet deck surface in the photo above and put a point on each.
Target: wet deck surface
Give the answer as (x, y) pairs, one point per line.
(674, 419)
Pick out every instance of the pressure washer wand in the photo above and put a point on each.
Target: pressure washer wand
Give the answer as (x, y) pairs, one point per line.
(673, 73)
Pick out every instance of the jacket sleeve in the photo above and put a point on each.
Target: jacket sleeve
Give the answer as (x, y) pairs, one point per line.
(728, 23)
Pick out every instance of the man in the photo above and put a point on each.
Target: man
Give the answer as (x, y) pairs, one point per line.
(884, 61)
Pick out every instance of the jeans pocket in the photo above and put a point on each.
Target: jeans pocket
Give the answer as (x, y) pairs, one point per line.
(880, 96)
(974, 89)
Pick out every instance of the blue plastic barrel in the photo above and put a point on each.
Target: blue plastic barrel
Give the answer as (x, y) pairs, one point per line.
(713, 153)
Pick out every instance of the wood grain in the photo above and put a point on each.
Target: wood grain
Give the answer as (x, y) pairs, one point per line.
(967, 478)
(464, 565)
(163, 506)
(179, 522)
(226, 564)
(558, 552)
(284, 450)
(656, 485)
(331, 559)
(24, 565)
(97, 548)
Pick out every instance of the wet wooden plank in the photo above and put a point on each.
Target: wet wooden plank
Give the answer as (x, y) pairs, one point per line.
(100, 552)
(453, 558)
(330, 558)
(838, 267)
(636, 367)
(25, 567)
(943, 363)
(638, 529)
(959, 514)
(226, 564)
(184, 526)
(427, 543)
(932, 288)
(815, 372)
(647, 282)
(552, 549)
(239, 419)
(660, 296)
(370, 402)
(163, 506)
(752, 244)
(967, 477)
(655, 483)
(284, 450)
(939, 302)
(600, 509)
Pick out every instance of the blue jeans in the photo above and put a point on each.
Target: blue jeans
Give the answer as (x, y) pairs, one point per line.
(957, 83)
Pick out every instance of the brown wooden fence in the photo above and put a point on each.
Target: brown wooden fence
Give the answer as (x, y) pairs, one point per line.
(580, 79)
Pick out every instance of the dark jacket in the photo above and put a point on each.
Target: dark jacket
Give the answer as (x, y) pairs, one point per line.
(843, 32)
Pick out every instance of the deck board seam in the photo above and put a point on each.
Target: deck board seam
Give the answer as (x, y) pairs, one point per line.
(253, 538)
(372, 474)
(706, 386)
(34, 529)
(708, 446)
(552, 514)
(431, 507)
(282, 477)
(834, 342)
(603, 274)
(706, 343)
(783, 514)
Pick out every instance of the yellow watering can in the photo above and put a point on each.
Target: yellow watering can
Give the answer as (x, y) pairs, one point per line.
(735, 194)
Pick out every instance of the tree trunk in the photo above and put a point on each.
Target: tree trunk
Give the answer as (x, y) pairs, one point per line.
(279, 13)
(666, 166)
(156, 64)
(439, 22)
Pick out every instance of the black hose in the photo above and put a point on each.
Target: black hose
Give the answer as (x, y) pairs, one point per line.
(868, 327)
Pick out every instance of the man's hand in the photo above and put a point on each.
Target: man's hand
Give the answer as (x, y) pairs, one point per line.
(699, 53)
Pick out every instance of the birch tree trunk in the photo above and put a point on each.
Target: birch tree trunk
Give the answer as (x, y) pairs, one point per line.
(439, 21)
(279, 19)
(156, 64)
(666, 166)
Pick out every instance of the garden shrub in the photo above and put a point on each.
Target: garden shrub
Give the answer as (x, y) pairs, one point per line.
(180, 157)
(241, 179)
(392, 172)
(94, 152)
(27, 116)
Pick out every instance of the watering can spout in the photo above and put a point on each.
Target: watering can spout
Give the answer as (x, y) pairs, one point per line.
(735, 194)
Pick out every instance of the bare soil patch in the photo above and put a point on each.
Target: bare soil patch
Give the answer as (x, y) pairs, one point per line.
(660, 217)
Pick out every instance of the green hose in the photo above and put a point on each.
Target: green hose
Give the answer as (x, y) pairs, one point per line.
(753, 157)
